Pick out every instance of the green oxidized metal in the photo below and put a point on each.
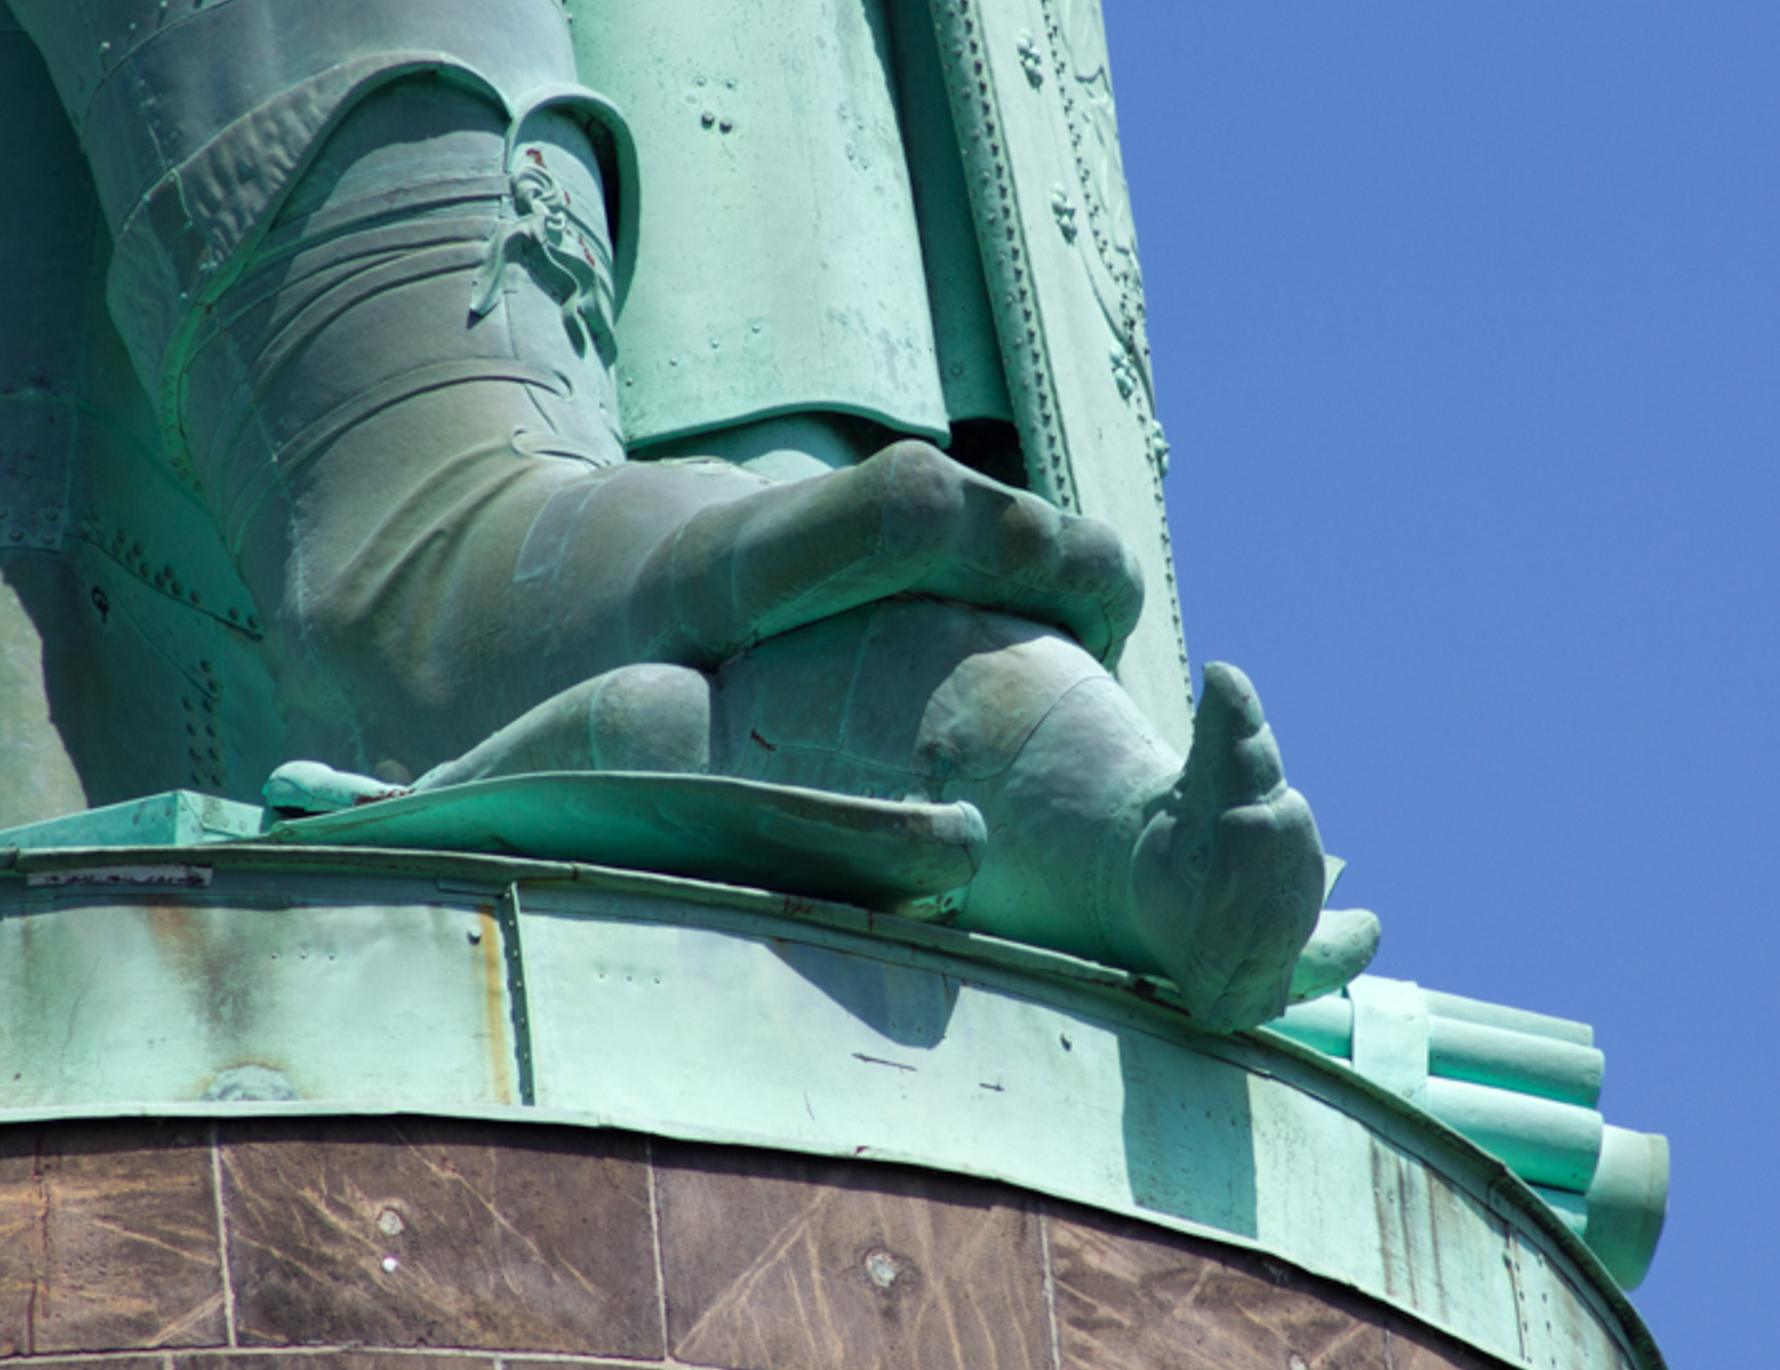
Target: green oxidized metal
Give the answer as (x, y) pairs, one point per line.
(539, 423)
(374, 278)
(213, 979)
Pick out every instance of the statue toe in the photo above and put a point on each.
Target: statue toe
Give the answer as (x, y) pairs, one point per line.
(1341, 946)
(1235, 759)
(1231, 882)
(1250, 911)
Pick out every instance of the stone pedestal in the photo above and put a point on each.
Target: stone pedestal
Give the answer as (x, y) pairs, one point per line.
(395, 1243)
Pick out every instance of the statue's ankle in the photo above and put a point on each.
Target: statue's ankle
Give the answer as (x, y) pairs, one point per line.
(781, 447)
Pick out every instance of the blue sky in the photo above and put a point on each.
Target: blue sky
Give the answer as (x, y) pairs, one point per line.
(1466, 321)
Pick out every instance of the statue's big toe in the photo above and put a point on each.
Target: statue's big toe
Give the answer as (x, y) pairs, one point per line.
(1251, 912)
(1230, 885)
(1235, 759)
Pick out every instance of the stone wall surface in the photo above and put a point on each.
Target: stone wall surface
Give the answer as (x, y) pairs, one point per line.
(425, 1244)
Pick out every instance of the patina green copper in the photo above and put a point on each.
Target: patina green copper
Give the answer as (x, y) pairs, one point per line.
(567, 390)
(823, 1027)
(658, 488)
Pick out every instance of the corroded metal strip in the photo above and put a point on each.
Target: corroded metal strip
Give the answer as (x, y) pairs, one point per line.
(1001, 235)
(1032, 104)
(519, 1004)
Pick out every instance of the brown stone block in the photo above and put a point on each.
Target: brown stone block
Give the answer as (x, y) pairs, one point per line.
(420, 1232)
(774, 1262)
(107, 1239)
(1128, 1299)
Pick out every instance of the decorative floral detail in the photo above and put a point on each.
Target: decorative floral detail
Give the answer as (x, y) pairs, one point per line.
(1030, 60)
(1078, 43)
(1064, 209)
(1159, 448)
(1124, 372)
(1077, 36)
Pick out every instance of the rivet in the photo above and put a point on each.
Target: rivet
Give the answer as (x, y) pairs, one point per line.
(882, 1268)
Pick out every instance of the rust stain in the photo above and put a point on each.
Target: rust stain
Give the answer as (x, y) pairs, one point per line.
(394, 792)
(494, 1001)
(222, 975)
(174, 929)
(1391, 1242)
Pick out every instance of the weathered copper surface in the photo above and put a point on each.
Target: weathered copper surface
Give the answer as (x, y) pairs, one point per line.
(386, 362)
(359, 1244)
